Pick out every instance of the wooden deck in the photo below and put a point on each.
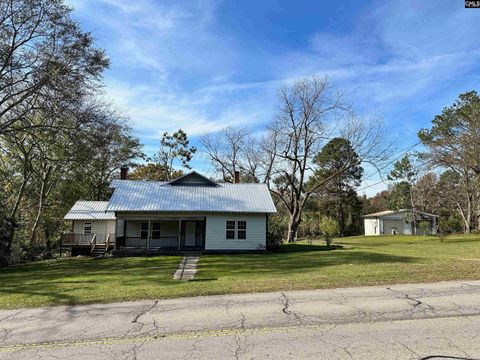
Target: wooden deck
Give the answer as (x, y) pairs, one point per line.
(87, 244)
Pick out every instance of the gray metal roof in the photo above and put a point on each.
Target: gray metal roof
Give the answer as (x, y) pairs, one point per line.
(137, 195)
(401, 211)
(89, 210)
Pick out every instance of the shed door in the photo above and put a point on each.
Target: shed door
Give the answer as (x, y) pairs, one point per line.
(392, 227)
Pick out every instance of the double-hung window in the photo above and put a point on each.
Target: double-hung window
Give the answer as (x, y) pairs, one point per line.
(241, 230)
(156, 229)
(236, 230)
(230, 229)
(144, 230)
(87, 228)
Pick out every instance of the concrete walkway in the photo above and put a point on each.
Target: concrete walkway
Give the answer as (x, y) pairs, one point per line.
(409, 321)
(187, 268)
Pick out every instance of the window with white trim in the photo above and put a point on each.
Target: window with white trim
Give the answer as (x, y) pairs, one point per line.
(144, 230)
(241, 230)
(230, 230)
(87, 228)
(236, 230)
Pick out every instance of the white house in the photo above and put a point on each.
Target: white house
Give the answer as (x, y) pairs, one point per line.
(90, 221)
(399, 222)
(188, 213)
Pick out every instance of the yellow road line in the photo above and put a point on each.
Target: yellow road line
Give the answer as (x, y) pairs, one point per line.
(148, 338)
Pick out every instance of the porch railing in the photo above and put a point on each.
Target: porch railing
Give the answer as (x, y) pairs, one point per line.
(69, 239)
(93, 242)
(76, 239)
(108, 241)
(159, 243)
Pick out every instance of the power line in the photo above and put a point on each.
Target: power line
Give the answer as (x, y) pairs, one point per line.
(403, 152)
(383, 181)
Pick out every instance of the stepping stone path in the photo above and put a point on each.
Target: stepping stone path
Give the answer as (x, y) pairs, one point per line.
(187, 268)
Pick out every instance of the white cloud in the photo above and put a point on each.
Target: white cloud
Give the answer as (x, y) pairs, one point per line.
(153, 112)
(172, 67)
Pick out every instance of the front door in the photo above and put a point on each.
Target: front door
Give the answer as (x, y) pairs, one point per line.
(190, 233)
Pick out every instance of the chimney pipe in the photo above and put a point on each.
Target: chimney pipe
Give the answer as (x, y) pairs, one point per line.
(124, 172)
(237, 177)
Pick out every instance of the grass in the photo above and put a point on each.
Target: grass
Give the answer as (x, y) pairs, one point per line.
(358, 261)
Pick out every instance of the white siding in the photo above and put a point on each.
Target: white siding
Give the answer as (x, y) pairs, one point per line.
(392, 226)
(372, 227)
(389, 221)
(215, 237)
(111, 226)
(99, 227)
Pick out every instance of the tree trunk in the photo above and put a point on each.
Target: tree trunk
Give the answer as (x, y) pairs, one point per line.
(292, 230)
(468, 222)
(6, 242)
(39, 214)
(293, 225)
(6, 239)
(41, 200)
(478, 220)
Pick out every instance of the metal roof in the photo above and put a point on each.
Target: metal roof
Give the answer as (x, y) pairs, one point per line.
(192, 178)
(89, 210)
(391, 212)
(138, 195)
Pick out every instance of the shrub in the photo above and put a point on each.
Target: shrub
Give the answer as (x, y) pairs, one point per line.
(424, 226)
(449, 225)
(24, 253)
(329, 228)
(274, 241)
(277, 229)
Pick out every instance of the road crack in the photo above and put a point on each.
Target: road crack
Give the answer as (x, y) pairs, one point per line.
(140, 314)
(286, 308)
(416, 302)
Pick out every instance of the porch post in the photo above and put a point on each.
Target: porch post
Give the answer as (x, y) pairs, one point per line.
(149, 234)
(124, 241)
(179, 234)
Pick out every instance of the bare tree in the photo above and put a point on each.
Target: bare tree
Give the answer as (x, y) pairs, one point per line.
(426, 193)
(227, 150)
(240, 150)
(311, 113)
(42, 48)
(307, 120)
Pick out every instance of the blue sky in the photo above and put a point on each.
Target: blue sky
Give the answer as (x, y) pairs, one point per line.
(207, 64)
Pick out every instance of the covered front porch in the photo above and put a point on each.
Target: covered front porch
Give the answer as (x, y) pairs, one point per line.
(160, 233)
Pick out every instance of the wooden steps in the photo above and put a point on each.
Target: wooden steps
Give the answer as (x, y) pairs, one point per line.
(99, 250)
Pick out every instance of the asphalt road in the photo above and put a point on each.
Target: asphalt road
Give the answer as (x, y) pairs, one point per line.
(422, 321)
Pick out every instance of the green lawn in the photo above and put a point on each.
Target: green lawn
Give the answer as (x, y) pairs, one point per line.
(359, 261)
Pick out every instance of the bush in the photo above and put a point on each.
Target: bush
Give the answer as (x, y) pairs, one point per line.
(329, 228)
(449, 225)
(277, 229)
(27, 253)
(274, 241)
(423, 227)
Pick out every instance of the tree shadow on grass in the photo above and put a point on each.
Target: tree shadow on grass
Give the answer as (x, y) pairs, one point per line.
(295, 248)
(72, 280)
(298, 259)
